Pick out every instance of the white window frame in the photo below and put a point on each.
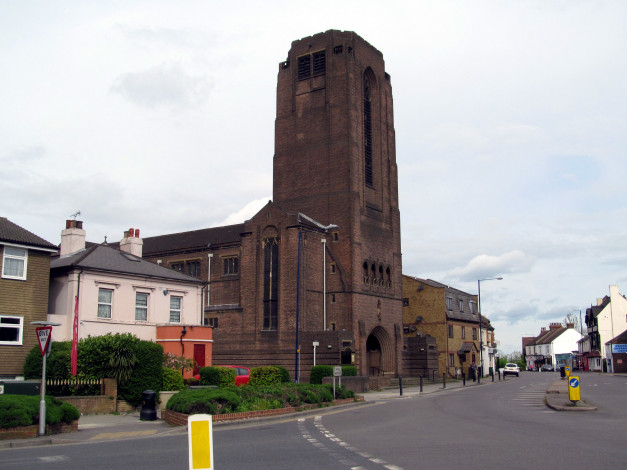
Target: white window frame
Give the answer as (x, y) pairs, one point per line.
(139, 307)
(7, 256)
(18, 326)
(178, 310)
(109, 304)
(449, 303)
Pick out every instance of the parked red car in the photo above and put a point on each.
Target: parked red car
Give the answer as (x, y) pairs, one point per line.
(243, 374)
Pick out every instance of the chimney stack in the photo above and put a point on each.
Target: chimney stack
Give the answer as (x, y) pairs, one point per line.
(555, 326)
(131, 243)
(72, 237)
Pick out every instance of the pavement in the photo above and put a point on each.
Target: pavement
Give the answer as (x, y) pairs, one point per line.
(103, 427)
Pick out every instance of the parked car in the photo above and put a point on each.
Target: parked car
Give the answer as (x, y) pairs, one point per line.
(511, 369)
(243, 374)
(547, 368)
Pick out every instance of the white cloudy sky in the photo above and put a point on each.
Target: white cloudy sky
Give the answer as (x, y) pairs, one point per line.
(510, 116)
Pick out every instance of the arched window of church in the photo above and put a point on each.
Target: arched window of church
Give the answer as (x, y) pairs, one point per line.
(369, 83)
(365, 271)
(270, 283)
(373, 271)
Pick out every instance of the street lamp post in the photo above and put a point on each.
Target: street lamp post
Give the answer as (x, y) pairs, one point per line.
(323, 230)
(480, 321)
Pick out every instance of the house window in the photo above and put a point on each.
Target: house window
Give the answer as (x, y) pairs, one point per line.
(177, 267)
(450, 331)
(406, 302)
(471, 304)
(175, 309)
(105, 301)
(463, 332)
(193, 268)
(461, 305)
(451, 360)
(11, 329)
(449, 303)
(212, 321)
(231, 265)
(474, 333)
(141, 306)
(14, 263)
(270, 283)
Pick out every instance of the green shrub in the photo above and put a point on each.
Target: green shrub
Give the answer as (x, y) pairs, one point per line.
(318, 372)
(23, 410)
(218, 376)
(285, 375)
(147, 373)
(172, 380)
(263, 376)
(349, 371)
(208, 400)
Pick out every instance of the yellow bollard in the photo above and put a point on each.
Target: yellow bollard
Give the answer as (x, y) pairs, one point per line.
(200, 439)
(574, 394)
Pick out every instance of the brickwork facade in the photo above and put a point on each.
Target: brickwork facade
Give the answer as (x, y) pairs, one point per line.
(26, 299)
(334, 178)
(432, 309)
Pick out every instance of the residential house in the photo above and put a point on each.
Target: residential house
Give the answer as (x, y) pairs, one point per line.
(24, 279)
(450, 316)
(555, 345)
(113, 290)
(605, 320)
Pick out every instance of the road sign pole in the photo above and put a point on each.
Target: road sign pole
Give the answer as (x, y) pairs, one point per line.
(42, 402)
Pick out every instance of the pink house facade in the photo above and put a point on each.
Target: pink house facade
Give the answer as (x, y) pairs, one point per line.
(116, 291)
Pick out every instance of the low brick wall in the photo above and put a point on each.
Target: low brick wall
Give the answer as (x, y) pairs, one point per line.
(100, 404)
(26, 432)
(379, 383)
(358, 384)
(179, 419)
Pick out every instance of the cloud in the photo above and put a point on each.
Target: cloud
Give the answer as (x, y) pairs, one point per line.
(490, 266)
(163, 86)
(245, 212)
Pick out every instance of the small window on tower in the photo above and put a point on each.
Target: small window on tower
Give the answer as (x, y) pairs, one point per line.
(319, 63)
(304, 67)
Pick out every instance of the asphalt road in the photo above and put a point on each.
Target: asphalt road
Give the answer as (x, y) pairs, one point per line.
(495, 425)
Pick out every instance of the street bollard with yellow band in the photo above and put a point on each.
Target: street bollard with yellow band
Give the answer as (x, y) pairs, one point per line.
(567, 370)
(574, 393)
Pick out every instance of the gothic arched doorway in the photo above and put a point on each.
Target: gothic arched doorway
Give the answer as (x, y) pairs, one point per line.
(380, 352)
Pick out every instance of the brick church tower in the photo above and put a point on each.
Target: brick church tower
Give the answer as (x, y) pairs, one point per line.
(315, 277)
(335, 161)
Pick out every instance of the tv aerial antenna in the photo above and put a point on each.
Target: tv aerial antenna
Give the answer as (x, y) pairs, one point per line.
(76, 214)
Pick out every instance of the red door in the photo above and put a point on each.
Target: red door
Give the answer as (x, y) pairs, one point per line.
(199, 357)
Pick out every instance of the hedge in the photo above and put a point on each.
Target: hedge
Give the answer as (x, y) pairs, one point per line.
(218, 376)
(94, 353)
(23, 410)
(239, 399)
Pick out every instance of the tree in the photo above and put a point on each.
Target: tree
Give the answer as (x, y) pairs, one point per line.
(574, 319)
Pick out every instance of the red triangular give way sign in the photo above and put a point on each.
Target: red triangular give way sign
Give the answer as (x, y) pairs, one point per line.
(43, 336)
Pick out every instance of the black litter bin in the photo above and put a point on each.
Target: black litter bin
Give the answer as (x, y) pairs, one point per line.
(149, 406)
(562, 372)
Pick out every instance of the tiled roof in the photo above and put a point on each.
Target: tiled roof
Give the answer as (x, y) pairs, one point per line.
(193, 240)
(13, 233)
(109, 259)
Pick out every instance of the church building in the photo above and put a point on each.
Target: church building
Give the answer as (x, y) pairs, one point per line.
(315, 277)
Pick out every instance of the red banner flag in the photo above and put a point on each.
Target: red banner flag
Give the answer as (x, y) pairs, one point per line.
(74, 355)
